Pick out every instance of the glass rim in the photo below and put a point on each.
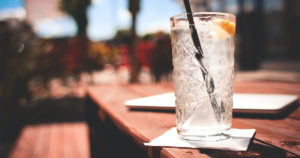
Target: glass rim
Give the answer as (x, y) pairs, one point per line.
(184, 16)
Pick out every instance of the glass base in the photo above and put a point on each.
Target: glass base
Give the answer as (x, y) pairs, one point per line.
(214, 137)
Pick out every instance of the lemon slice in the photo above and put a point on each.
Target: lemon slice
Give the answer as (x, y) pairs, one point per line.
(225, 28)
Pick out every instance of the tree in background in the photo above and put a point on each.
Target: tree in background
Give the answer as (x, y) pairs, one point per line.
(76, 58)
(77, 9)
(134, 7)
(19, 52)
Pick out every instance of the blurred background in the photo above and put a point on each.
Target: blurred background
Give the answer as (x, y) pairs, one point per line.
(51, 50)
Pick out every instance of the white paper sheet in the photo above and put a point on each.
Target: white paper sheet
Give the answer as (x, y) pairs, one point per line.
(238, 142)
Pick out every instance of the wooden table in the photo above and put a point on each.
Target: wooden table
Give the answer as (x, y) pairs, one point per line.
(116, 131)
(56, 140)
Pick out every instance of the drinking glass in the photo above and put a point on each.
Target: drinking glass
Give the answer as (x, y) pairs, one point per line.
(203, 86)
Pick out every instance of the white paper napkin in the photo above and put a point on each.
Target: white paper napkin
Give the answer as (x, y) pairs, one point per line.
(238, 142)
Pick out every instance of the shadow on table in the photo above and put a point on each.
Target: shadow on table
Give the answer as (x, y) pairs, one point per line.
(256, 149)
(106, 140)
(55, 111)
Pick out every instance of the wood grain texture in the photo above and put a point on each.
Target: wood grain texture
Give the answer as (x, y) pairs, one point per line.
(143, 126)
(66, 140)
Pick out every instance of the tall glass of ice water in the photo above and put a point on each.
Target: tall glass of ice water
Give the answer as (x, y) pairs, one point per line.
(204, 102)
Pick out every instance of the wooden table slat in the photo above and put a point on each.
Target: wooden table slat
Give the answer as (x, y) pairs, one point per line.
(54, 141)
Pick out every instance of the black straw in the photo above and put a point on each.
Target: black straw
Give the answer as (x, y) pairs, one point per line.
(209, 82)
(195, 37)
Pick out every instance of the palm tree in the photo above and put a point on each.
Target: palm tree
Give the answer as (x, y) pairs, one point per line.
(77, 9)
